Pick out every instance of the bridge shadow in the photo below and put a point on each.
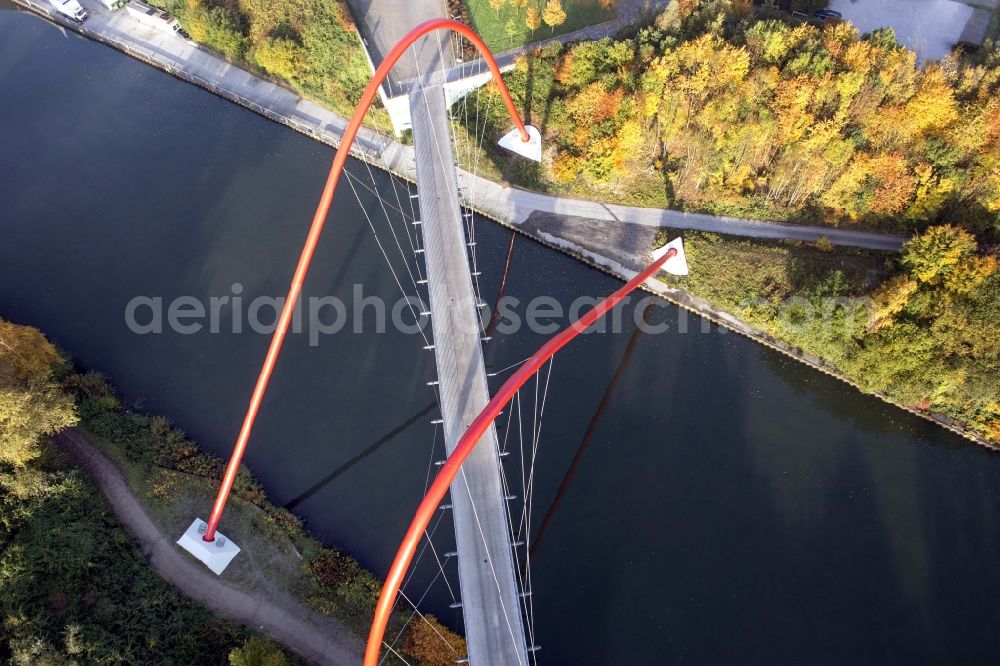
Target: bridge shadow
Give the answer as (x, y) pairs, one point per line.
(595, 422)
(625, 243)
(369, 450)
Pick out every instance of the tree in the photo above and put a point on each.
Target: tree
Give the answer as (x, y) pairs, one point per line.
(279, 56)
(511, 29)
(31, 403)
(934, 254)
(431, 643)
(889, 300)
(553, 14)
(970, 273)
(532, 19)
(497, 5)
(257, 651)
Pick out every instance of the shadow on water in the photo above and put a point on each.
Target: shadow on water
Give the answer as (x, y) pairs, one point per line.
(375, 446)
(595, 422)
(502, 289)
(865, 413)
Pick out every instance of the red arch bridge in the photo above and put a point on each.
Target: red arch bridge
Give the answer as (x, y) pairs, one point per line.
(491, 600)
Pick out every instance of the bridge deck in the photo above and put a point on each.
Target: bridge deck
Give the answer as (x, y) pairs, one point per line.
(490, 602)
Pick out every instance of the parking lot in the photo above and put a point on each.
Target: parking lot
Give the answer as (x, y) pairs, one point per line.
(930, 27)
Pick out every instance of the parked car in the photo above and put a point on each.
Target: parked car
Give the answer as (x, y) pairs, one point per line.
(114, 5)
(828, 13)
(70, 8)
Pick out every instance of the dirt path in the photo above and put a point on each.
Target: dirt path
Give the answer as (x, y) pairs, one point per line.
(310, 635)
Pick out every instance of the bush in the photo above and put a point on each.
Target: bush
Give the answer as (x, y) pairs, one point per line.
(355, 589)
(217, 29)
(431, 643)
(281, 57)
(257, 652)
(76, 589)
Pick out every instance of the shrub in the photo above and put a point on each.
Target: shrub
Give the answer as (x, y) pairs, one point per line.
(257, 652)
(355, 588)
(430, 642)
(88, 384)
(217, 29)
(281, 57)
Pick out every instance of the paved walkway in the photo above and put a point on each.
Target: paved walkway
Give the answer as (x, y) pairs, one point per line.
(510, 205)
(384, 22)
(314, 637)
(491, 605)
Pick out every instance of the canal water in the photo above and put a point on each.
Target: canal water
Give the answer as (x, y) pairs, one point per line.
(731, 506)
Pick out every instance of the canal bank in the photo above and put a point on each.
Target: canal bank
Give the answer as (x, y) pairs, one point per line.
(624, 264)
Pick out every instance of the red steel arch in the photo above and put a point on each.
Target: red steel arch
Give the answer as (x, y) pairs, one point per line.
(429, 505)
(319, 220)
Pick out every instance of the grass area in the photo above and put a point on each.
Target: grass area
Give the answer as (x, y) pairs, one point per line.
(752, 278)
(493, 26)
(310, 47)
(173, 499)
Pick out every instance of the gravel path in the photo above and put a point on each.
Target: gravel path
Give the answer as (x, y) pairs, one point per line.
(312, 636)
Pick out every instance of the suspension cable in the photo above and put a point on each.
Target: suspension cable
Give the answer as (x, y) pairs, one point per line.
(316, 229)
(451, 468)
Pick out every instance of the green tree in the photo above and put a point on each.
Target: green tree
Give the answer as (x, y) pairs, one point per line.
(935, 254)
(218, 29)
(511, 29)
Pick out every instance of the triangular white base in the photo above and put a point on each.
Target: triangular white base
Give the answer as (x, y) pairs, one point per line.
(216, 555)
(532, 148)
(676, 264)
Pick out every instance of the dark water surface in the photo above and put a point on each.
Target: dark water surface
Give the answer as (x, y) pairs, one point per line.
(732, 506)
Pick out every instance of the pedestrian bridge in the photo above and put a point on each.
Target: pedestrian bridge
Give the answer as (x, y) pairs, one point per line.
(495, 599)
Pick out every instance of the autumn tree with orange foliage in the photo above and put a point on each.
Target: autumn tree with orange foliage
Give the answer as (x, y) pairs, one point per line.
(760, 117)
(433, 644)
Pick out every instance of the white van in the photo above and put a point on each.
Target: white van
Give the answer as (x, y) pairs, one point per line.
(70, 8)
